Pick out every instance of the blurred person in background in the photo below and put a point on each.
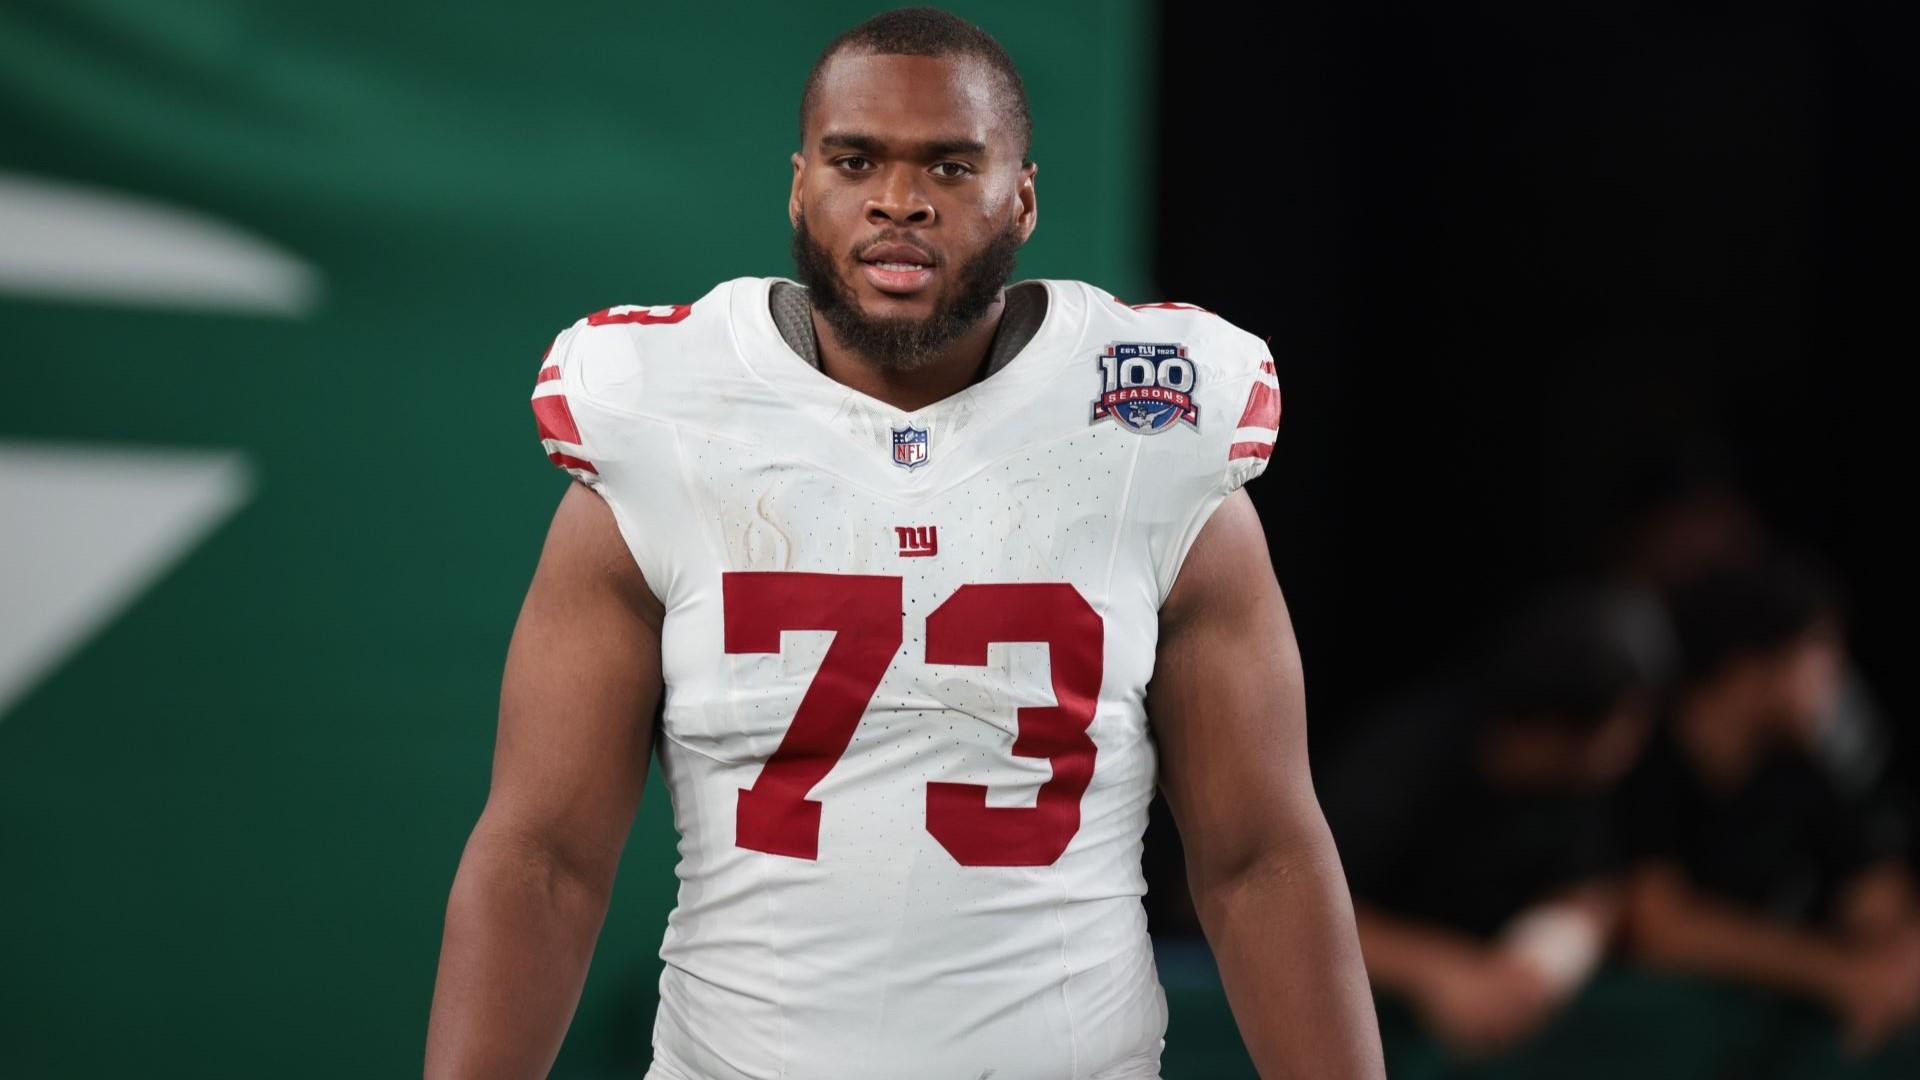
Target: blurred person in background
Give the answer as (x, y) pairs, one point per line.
(1753, 861)
(1675, 519)
(889, 868)
(1685, 517)
(1474, 826)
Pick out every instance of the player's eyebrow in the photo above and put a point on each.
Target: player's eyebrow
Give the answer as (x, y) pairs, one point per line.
(870, 144)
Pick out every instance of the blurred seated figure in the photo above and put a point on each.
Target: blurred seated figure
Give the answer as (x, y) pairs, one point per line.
(1752, 861)
(1685, 517)
(1474, 827)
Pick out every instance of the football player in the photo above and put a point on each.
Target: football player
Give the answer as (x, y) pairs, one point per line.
(917, 583)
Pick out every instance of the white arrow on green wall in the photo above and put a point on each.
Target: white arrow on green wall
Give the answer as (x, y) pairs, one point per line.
(86, 531)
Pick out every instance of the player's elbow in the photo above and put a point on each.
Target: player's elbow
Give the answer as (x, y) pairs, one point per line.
(1225, 874)
(533, 865)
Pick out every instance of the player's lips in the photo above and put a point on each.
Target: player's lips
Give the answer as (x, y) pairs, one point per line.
(897, 268)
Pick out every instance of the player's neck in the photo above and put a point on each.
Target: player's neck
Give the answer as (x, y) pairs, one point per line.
(956, 367)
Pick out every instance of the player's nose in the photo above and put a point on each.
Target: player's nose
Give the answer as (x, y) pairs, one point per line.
(899, 198)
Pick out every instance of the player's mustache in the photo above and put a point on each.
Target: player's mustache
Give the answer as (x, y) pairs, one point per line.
(860, 252)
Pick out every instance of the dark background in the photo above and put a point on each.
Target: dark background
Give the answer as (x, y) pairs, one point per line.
(1519, 261)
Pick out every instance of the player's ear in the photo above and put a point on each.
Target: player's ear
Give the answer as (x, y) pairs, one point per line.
(793, 195)
(1029, 201)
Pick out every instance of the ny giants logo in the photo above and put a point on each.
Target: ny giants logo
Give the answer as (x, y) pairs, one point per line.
(917, 541)
(1146, 388)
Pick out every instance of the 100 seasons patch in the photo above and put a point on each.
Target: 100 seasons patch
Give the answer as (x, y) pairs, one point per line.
(1146, 388)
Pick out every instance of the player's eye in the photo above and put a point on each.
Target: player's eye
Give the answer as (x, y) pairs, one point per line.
(960, 169)
(853, 163)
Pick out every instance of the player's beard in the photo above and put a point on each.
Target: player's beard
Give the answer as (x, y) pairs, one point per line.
(904, 344)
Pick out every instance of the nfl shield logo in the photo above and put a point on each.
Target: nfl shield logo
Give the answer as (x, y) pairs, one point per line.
(909, 447)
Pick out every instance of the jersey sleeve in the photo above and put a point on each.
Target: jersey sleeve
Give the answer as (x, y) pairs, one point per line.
(1240, 419)
(1258, 425)
(590, 376)
(561, 436)
(590, 413)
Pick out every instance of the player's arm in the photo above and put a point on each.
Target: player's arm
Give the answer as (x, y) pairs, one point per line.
(1229, 713)
(576, 727)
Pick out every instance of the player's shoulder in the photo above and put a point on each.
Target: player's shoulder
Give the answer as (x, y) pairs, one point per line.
(609, 353)
(1180, 359)
(1220, 349)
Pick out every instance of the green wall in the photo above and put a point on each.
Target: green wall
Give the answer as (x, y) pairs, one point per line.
(228, 820)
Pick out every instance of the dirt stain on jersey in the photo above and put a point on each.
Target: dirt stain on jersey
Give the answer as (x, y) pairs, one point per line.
(785, 542)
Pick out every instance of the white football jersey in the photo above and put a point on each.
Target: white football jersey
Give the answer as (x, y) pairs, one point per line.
(906, 657)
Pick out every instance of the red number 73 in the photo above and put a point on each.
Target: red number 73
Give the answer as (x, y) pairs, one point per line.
(864, 613)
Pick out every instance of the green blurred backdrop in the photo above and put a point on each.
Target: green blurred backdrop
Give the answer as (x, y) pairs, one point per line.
(233, 796)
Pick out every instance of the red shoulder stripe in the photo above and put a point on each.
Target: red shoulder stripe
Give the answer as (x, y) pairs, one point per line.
(555, 419)
(568, 461)
(629, 313)
(1263, 407)
(1170, 305)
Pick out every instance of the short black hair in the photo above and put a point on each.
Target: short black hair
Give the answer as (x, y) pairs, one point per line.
(1750, 608)
(926, 31)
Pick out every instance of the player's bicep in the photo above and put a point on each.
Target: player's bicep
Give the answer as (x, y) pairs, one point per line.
(578, 697)
(1227, 704)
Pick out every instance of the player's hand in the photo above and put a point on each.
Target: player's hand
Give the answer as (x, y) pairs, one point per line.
(1484, 1004)
(1879, 995)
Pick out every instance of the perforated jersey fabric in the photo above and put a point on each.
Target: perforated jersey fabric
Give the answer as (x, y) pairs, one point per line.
(904, 729)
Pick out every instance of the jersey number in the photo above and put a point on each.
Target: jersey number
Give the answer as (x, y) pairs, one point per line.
(864, 613)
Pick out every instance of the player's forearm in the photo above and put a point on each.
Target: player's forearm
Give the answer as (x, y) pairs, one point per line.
(1282, 931)
(520, 931)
